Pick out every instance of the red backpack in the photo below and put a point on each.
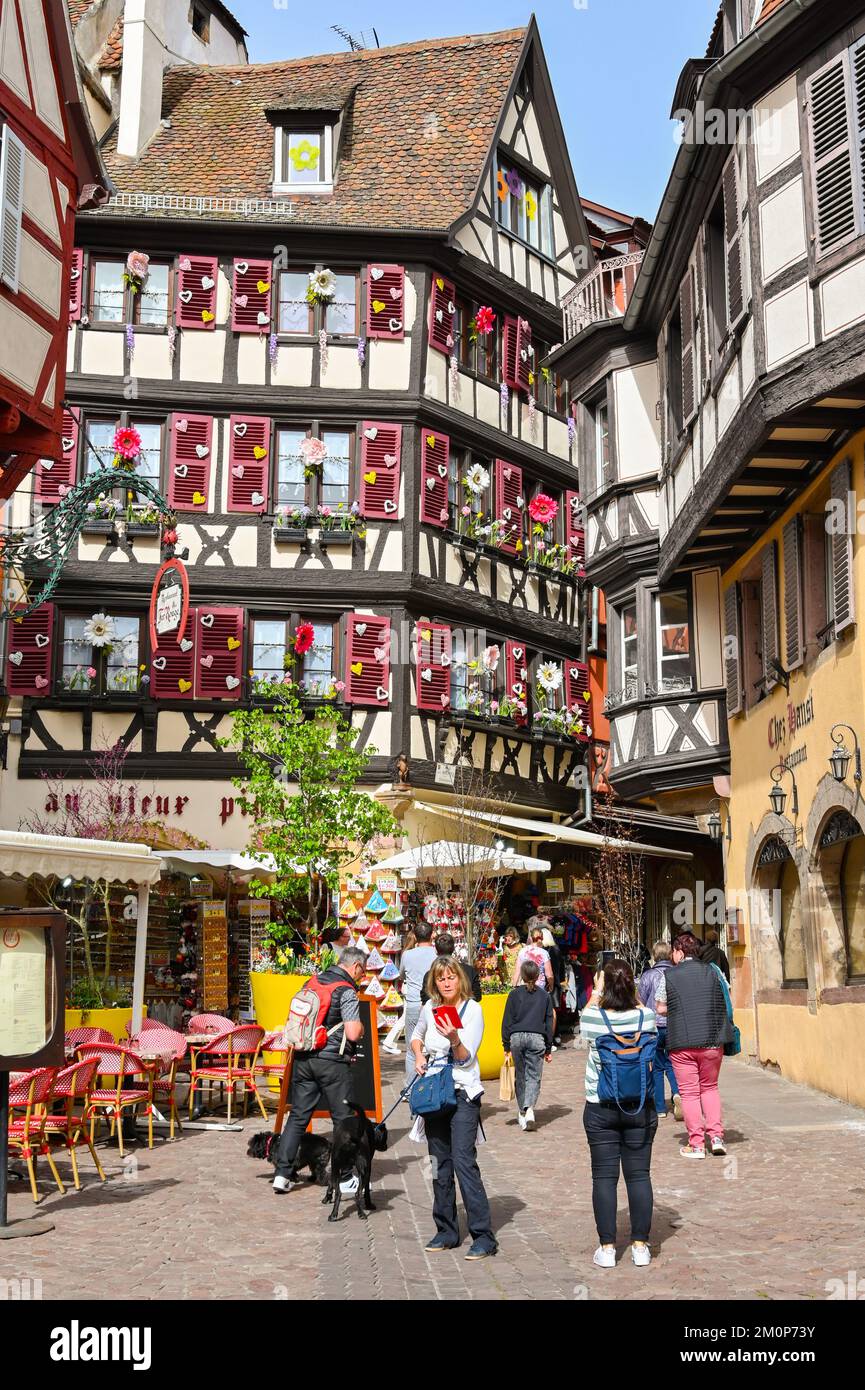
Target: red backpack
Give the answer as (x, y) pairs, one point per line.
(304, 1027)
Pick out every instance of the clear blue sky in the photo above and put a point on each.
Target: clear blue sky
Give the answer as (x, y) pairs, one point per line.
(614, 66)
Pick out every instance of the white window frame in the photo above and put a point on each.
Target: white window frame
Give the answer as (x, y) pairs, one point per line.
(324, 185)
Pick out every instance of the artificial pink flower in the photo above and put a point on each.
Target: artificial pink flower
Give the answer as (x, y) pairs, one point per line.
(313, 451)
(543, 509)
(138, 264)
(127, 442)
(465, 511)
(484, 319)
(339, 685)
(490, 658)
(304, 638)
(91, 671)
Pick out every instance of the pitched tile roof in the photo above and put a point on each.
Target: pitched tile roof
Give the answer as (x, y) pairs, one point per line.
(768, 8)
(77, 8)
(417, 125)
(111, 57)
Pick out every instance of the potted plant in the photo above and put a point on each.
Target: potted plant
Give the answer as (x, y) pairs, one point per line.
(292, 525)
(145, 519)
(494, 996)
(99, 520)
(339, 525)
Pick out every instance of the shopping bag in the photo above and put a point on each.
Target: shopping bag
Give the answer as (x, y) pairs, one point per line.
(507, 1085)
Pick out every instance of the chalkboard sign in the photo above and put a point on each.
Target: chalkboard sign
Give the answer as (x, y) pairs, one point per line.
(365, 1071)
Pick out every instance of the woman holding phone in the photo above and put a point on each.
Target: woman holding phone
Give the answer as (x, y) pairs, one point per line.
(451, 1023)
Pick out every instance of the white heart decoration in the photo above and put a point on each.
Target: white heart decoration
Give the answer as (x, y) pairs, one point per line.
(524, 673)
(521, 501)
(240, 429)
(430, 482)
(517, 687)
(207, 661)
(445, 661)
(237, 471)
(426, 674)
(376, 273)
(42, 640)
(574, 673)
(181, 470)
(388, 505)
(262, 319)
(389, 460)
(207, 620)
(159, 663)
(394, 325)
(449, 340)
(380, 654)
(184, 263)
(518, 653)
(241, 300)
(242, 267)
(507, 514)
(524, 355)
(184, 296)
(48, 464)
(181, 426)
(360, 629)
(440, 318)
(185, 644)
(371, 433)
(40, 682)
(506, 473)
(207, 283)
(16, 658)
(451, 307)
(232, 682)
(445, 699)
(75, 273)
(68, 445)
(442, 470)
(257, 499)
(202, 451)
(395, 293)
(380, 692)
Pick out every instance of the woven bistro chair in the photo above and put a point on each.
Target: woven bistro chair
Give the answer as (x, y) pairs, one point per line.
(80, 1037)
(109, 1102)
(74, 1086)
(273, 1043)
(209, 1023)
(230, 1059)
(171, 1047)
(32, 1093)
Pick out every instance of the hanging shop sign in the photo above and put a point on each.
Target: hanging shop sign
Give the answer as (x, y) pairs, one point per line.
(169, 601)
(555, 885)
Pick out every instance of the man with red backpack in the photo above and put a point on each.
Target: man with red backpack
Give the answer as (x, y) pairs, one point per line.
(323, 1027)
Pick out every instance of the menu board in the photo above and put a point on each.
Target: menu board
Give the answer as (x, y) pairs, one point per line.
(23, 1013)
(214, 964)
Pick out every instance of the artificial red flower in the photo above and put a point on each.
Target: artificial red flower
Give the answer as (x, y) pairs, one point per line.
(127, 442)
(169, 537)
(543, 509)
(304, 638)
(484, 319)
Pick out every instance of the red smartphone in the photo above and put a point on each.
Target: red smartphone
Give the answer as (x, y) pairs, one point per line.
(446, 1013)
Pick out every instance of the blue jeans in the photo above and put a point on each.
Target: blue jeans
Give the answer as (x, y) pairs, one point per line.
(451, 1140)
(663, 1067)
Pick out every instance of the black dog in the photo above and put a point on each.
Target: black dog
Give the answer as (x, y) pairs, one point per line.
(355, 1140)
(314, 1153)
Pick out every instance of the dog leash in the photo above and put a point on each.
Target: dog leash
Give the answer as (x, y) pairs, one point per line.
(403, 1095)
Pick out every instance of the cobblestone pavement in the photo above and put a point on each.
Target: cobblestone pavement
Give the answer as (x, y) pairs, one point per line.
(778, 1218)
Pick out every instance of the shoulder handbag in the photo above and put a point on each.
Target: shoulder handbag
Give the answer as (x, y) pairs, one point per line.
(733, 1045)
(434, 1093)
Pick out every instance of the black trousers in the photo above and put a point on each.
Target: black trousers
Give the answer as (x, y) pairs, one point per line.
(317, 1083)
(452, 1141)
(616, 1139)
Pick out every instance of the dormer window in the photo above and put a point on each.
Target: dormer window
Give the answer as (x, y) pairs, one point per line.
(303, 159)
(199, 18)
(524, 205)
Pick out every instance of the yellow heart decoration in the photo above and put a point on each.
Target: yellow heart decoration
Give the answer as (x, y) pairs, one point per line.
(440, 283)
(263, 286)
(371, 476)
(198, 499)
(206, 316)
(183, 686)
(431, 440)
(378, 305)
(258, 452)
(356, 668)
(426, 636)
(233, 644)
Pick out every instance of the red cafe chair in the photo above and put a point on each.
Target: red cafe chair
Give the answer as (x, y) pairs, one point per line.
(109, 1102)
(74, 1086)
(230, 1059)
(31, 1093)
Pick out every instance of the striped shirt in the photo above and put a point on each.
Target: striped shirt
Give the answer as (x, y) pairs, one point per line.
(593, 1026)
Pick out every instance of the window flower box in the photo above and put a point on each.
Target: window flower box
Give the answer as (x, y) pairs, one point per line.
(93, 527)
(291, 535)
(331, 536)
(142, 528)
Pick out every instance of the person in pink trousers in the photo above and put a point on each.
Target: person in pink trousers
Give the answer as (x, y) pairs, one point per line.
(692, 997)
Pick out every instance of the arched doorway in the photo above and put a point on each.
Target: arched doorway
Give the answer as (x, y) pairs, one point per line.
(779, 912)
(791, 937)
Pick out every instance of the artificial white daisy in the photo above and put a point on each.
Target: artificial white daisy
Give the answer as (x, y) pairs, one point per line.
(322, 283)
(549, 676)
(99, 630)
(477, 478)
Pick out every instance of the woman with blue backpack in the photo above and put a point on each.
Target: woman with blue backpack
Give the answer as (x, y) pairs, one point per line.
(620, 1119)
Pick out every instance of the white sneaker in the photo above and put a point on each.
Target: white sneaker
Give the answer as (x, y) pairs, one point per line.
(529, 1118)
(641, 1255)
(687, 1152)
(394, 1051)
(605, 1257)
(522, 1119)
(719, 1147)
(281, 1185)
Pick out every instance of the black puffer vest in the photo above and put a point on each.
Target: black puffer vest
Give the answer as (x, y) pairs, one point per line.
(696, 1007)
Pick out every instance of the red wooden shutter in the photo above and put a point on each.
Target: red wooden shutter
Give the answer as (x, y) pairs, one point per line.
(576, 690)
(28, 664)
(524, 355)
(385, 309)
(248, 463)
(367, 660)
(575, 535)
(189, 461)
(516, 671)
(219, 654)
(733, 240)
(380, 449)
(433, 673)
(516, 353)
(54, 474)
(172, 664)
(76, 284)
(250, 305)
(442, 308)
(196, 291)
(435, 455)
(509, 488)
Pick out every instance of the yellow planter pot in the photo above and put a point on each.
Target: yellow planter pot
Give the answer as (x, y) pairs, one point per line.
(115, 1020)
(492, 1054)
(271, 997)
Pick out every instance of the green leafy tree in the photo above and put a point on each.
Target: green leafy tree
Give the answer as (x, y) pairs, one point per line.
(301, 794)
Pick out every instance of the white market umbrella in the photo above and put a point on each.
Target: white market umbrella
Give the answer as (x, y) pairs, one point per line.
(451, 854)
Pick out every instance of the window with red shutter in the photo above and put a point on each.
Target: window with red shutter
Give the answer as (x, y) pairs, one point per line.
(435, 457)
(380, 450)
(251, 296)
(433, 670)
(516, 353)
(576, 691)
(516, 674)
(385, 310)
(29, 659)
(248, 463)
(196, 291)
(442, 308)
(509, 500)
(575, 535)
(76, 284)
(524, 354)
(172, 664)
(219, 654)
(189, 461)
(54, 477)
(367, 660)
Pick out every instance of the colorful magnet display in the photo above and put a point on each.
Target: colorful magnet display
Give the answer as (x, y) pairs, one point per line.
(376, 905)
(374, 960)
(390, 972)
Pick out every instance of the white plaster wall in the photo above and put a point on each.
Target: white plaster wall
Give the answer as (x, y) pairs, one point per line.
(343, 369)
(202, 354)
(389, 365)
(23, 346)
(251, 360)
(638, 431)
(293, 365)
(42, 76)
(707, 623)
(776, 128)
(436, 376)
(102, 353)
(842, 298)
(13, 70)
(748, 358)
(728, 397)
(152, 357)
(38, 198)
(789, 319)
(782, 228)
(39, 274)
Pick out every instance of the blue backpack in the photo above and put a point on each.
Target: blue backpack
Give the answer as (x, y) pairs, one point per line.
(626, 1062)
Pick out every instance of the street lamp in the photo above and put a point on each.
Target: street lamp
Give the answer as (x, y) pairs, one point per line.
(839, 758)
(778, 796)
(715, 824)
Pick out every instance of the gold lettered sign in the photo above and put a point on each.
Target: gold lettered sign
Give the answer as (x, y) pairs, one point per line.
(32, 986)
(215, 941)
